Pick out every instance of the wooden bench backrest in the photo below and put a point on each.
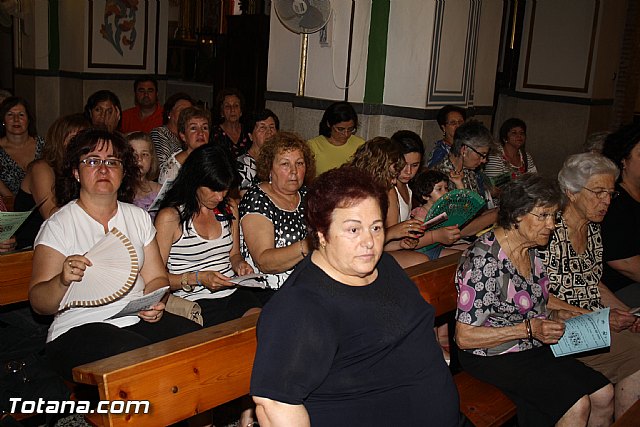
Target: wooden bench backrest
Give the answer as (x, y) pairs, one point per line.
(198, 371)
(180, 377)
(15, 269)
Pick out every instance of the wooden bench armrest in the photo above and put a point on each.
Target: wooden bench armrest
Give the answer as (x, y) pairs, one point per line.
(180, 377)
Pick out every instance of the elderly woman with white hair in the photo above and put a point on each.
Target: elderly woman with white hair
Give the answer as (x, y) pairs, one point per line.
(573, 260)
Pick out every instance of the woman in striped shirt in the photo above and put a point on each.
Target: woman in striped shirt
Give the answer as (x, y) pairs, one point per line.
(198, 235)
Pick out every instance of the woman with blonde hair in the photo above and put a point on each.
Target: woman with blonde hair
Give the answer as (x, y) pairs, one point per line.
(383, 159)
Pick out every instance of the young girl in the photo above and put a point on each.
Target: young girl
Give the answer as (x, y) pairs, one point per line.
(147, 188)
(427, 188)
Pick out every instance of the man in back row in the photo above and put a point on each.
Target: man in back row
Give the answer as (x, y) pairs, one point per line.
(147, 113)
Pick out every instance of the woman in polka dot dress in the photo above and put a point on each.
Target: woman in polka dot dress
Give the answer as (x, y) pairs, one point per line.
(272, 212)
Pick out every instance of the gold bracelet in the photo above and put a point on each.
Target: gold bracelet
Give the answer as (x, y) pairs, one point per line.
(527, 323)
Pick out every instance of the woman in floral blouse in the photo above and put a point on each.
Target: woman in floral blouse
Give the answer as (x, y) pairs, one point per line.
(503, 326)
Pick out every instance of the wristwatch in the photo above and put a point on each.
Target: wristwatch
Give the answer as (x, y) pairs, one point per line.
(184, 282)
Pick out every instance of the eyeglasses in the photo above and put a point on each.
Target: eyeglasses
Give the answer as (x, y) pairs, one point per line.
(345, 130)
(543, 217)
(602, 194)
(454, 123)
(483, 156)
(95, 162)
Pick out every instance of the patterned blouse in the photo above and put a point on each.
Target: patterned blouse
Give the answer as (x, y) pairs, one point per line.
(574, 277)
(247, 169)
(12, 174)
(492, 293)
(473, 180)
(236, 149)
(289, 227)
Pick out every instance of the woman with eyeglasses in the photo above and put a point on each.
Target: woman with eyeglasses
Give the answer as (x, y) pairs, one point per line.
(573, 260)
(337, 140)
(504, 325)
(450, 118)
(511, 160)
(621, 225)
(95, 187)
(469, 152)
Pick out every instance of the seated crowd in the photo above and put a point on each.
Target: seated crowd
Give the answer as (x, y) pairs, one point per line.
(327, 225)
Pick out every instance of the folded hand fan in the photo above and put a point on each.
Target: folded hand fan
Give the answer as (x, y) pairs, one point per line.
(113, 273)
(461, 206)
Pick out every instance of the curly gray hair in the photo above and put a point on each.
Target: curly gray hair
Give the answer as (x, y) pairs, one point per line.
(579, 168)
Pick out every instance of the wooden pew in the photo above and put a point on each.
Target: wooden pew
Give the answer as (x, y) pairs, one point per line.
(484, 404)
(16, 273)
(187, 375)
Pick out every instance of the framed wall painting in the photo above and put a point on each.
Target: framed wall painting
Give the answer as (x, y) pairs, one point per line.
(118, 34)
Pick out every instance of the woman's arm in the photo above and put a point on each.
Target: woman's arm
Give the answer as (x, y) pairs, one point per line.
(153, 270)
(609, 299)
(259, 238)
(239, 265)
(481, 222)
(41, 180)
(630, 267)
(468, 336)
(272, 413)
(52, 274)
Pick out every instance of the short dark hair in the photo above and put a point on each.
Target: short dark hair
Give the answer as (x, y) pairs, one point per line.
(510, 124)
(283, 142)
(171, 102)
(68, 188)
(222, 94)
(100, 96)
(145, 78)
(11, 102)
(261, 116)
(524, 193)
(409, 141)
(473, 134)
(336, 113)
(423, 183)
(443, 113)
(339, 188)
(619, 144)
(207, 166)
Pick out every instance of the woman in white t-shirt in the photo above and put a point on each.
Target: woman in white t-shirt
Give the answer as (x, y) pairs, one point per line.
(98, 178)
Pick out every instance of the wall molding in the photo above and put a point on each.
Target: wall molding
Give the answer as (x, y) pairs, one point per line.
(561, 99)
(81, 75)
(463, 96)
(368, 109)
(587, 77)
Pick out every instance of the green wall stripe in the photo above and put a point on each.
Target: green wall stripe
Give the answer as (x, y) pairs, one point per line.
(54, 38)
(377, 52)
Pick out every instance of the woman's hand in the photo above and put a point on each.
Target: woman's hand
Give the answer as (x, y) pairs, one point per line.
(619, 320)
(411, 228)
(547, 331)
(8, 245)
(214, 281)
(73, 269)
(153, 314)
(562, 315)
(447, 235)
(243, 268)
(409, 243)
(456, 178)
(112, 119)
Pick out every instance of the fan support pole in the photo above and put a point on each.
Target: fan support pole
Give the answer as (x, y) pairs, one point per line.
(304, 41)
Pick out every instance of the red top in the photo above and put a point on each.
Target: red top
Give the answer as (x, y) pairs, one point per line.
(132, 122)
